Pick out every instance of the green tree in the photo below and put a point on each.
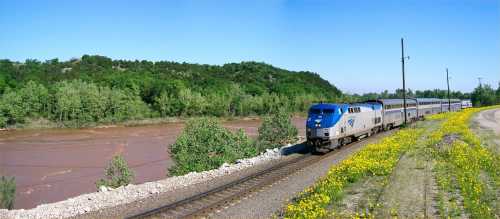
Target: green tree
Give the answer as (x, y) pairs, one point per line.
(192, 103)
(498, 93)
(204, 144)
(12, 107)
(164, 104)
(483, 95)
(68, 103)
(277, 130)
(35, 98)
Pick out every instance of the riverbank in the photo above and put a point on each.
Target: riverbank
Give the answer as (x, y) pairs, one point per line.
(43, 123)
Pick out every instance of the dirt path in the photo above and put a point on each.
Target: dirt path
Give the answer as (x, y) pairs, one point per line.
(411, 190)
(489, 119)
(486, 124)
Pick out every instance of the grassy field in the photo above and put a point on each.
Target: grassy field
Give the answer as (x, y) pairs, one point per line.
(444, 167)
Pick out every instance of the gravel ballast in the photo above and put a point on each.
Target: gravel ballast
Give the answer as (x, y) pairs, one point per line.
(101, 204)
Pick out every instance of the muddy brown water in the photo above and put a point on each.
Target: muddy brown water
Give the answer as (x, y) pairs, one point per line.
(55, 164)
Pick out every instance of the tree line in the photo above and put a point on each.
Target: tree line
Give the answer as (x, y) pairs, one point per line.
(97, 89)
(483, 95)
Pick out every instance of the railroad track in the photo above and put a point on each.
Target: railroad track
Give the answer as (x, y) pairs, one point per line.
(204, 203)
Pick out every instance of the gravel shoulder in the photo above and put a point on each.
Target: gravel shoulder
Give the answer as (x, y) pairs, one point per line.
(269, 201)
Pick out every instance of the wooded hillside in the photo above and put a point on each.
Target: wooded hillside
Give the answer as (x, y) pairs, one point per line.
(96, 89)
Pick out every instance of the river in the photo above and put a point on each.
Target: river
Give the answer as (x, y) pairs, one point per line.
(51, 165)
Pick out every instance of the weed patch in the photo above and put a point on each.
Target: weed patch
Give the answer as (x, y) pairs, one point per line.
(7, 192)
(117, 174)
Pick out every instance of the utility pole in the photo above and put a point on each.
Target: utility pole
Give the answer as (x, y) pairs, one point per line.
(404, 82)
(448, 82)
(479, 79)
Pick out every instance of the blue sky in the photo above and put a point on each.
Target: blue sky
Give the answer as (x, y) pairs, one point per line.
(353, 44)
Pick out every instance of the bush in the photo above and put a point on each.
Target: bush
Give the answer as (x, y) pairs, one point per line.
(7, 192)
(117, 174)
(277, 130)
(204, 145)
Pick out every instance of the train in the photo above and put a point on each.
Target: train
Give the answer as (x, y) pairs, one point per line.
(332, 125)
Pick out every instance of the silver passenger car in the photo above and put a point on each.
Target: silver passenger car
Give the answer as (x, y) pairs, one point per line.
(428, 106)
(453, 104)
(393, 112)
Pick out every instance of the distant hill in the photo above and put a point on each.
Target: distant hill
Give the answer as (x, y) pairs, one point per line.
(159, 88)
(255, 78)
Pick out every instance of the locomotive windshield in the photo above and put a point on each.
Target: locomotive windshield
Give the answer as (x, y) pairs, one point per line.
(314, 111)
(324, 111)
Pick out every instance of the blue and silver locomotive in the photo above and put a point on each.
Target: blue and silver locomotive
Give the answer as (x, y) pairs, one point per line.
(333, 125)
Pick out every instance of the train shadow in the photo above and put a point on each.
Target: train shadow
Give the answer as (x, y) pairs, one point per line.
(300, 148)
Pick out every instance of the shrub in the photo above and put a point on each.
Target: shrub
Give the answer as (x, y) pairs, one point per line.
(277, 130)
(204, 144)
(117, 174)
(7, 192)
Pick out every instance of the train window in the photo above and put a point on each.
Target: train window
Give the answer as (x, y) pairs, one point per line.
(328, 111)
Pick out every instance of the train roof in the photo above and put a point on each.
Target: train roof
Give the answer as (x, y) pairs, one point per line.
(341, 105)
(326, 106)
(394, 101)
(365, 104)
(427, 99)
(452, 100)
